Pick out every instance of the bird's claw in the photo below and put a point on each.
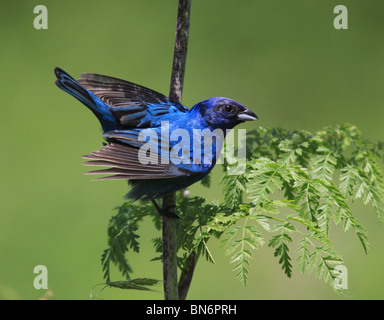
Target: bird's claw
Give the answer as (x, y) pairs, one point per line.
(165, 211)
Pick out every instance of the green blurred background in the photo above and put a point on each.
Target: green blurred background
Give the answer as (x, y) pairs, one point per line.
(283, 59)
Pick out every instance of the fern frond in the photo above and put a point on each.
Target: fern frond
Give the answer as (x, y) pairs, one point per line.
(281, 242)
(239, 242)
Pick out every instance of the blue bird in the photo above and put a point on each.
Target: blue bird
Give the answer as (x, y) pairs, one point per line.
(140, 126)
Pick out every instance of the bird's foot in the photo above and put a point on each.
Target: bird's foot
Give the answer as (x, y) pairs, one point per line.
(165, 211)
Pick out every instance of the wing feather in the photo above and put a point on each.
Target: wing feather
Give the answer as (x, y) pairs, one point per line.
(131, 104)
(125, 164)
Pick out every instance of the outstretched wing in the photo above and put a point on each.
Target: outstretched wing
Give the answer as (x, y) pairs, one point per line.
(134, 106)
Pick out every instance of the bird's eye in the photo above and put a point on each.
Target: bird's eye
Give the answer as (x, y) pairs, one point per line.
(228, 108)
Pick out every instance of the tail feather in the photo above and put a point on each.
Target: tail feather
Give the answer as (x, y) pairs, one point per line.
(66, 83)
(97, 106)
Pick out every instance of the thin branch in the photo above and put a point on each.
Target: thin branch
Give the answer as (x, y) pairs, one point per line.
(170, 248)
(169, 202)
(180, 52)
(186, 275)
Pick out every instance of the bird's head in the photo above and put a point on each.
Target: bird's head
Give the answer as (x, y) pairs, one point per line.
(220, 112)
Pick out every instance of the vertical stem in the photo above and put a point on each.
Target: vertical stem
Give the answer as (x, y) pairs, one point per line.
(170, 249)
(180, 52)
(169, 202)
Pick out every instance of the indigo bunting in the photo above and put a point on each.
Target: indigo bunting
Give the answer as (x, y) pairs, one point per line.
(143, 129)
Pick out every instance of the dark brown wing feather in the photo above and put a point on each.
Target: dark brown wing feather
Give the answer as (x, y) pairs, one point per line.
(129, 101)
(117, 92)
(124, 162)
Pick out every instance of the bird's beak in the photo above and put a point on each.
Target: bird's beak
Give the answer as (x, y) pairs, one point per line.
(247, 115)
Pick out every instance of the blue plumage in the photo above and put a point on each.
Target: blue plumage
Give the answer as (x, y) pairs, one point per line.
(156, 144)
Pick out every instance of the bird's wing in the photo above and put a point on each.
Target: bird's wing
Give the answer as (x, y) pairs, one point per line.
(131, 104)
(125, 162)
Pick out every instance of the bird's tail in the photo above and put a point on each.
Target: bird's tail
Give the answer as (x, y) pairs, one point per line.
(96, 105)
